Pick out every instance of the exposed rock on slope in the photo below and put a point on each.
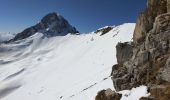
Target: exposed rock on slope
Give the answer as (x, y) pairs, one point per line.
(108, 95)
(52, 24)
(104, 30)
(146, 61)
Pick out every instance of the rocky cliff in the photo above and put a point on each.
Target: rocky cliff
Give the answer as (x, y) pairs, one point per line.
(146, 60)
(52, 24)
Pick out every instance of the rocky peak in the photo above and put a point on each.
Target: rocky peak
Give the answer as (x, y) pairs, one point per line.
(50, 18)
(52, 24)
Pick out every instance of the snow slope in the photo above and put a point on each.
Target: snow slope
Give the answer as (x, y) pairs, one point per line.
(6, 36)
(71, 67)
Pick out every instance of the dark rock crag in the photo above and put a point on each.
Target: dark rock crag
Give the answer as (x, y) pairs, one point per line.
(52, 24)
(104, 30)
(146, 60)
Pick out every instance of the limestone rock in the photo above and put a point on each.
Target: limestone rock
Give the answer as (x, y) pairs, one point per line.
(146, 61)
(124, 52)
(162, 24)
(168, 5)
(146, 19)
(165, 71)
(108, 95)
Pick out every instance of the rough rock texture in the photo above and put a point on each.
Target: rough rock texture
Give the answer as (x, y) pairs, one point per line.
(168, 5)
(52, 24)
(122, 54)
(108, 95)
(146, 61)
(147, 17)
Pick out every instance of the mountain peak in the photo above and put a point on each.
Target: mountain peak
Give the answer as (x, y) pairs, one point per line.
(52, 24)
(52, 17)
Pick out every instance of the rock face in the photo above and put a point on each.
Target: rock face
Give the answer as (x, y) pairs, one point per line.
(147, 17)
(146, 61)
(52, 24)
(108, 95)
(123, 54)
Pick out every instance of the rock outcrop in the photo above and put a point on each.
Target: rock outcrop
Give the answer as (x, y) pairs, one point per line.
(108, 95)
(146, 61)
(104, 30)
(52, 24)
(147, 17)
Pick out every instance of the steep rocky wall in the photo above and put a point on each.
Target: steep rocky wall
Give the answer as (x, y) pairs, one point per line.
(147, 17)
(149, 63)
(146, 61)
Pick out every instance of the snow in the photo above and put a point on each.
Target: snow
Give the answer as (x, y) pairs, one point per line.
(135, 93)
(6, 36)
(71, 67)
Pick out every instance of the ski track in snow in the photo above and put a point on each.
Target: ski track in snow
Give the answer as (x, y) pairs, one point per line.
(71, 67)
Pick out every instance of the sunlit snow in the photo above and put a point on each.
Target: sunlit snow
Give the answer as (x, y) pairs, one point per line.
(71, 67)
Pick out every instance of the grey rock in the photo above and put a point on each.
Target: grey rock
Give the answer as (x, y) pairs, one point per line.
(124, 52)
(162, 23)
(108, 94)
(165, 71)
(146, 19)
(168, 5)
(146, 61)
(143, 57)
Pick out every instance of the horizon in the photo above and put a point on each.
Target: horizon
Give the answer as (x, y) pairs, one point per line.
(86, 16)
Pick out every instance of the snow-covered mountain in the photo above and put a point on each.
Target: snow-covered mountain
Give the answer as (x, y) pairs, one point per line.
(52, 24)
(71, 67)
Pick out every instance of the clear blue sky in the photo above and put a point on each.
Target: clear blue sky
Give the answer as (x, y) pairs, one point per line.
(85, 15)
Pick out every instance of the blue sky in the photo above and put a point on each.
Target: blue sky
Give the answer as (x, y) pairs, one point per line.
(85, 15)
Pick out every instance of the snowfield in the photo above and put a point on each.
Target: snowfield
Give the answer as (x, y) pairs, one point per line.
(71, 67)
(6, 36)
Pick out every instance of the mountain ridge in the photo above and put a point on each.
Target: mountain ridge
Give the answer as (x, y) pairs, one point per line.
(52, 24)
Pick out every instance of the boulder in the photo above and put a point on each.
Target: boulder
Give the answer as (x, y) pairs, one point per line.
(108, 95)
